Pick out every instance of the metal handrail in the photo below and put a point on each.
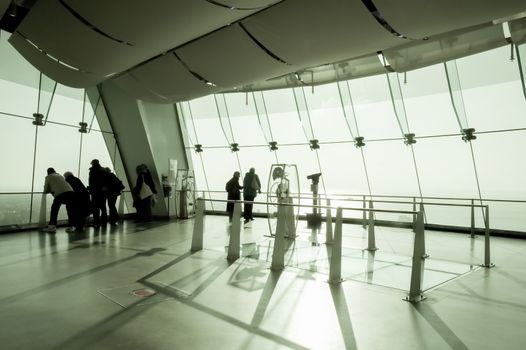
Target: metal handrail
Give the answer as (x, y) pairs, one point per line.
(333, 195)
(313, 206)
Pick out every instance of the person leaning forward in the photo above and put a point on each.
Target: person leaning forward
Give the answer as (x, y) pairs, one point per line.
(62, 194)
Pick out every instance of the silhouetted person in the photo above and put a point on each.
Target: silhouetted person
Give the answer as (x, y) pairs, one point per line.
(251, 187)
(81, 203)
(233, 187)
(62, 193)
(98, 188)
(143, 193)
(115, 187)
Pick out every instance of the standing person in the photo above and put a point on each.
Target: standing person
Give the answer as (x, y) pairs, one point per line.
(115, 187)
(233, 187)
(62, 193)
(81, 203)
(144, 191)
(98, 187)
(251, 187)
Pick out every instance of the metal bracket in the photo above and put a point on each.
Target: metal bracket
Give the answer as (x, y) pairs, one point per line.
(468, 134)
(38, 119)
(409, 139)
(198, 148)
(83, 127)
(358, 142)
(234, 147)
(273, 145)
(314, 144)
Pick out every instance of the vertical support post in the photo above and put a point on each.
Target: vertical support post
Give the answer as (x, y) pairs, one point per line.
(328, 224)
(278, 254)
(417, 269)
(371, 239)
(487, 257)
(197, 237)
(472, 230)
(235, 233)
(364, 215)
(414, 215)
(335, 267)
(290, 220)
(42, 217)
(423, 240)
(120, 210)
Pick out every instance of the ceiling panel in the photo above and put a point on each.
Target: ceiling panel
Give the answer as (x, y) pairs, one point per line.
(4, 4)
(244, 4)
(157, 25)
(344, 70)
(230, 58)
(518, 31)
(417, 18)
(136, 89)
(168, 77)
(446, 47)
(51, 68)
(313, 32)
(51, 27)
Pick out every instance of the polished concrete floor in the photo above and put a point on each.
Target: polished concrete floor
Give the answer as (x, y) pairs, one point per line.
(139, 287)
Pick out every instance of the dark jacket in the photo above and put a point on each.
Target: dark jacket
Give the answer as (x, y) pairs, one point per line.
(233, 188)
(251, 185)
(98, 181)
(82, 198)
(115, 185)
(145, 177)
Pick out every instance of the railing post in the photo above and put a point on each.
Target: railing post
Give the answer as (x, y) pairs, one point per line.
(42, 217)
(472, 230)
(278, 254)
(290, 222)
(328, 224)
(120, 210)
(417, 269)
(335, 267)
(371, 239)
(197, 237)
(423, 240)
(364, 215)
(414, 215)
(487, 258)
(235, 232)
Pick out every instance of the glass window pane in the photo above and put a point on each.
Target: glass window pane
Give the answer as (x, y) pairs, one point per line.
(373, 108)
(446, 170)
(206, 121)
(94, 147)
(17, 137)
(283, 116)
(428, 103)
(492, 91)
(58, 147)
(328, 121)
(243, 118)
(67, 109)
(502, 176)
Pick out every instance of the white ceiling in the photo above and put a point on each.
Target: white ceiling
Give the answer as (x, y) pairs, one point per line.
(172, 50)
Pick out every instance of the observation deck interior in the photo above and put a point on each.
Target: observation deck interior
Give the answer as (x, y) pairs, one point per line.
(92, 291)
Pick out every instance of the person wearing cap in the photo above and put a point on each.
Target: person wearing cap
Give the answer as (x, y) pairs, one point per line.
(82, 203)
(98, 188)
(62, 194)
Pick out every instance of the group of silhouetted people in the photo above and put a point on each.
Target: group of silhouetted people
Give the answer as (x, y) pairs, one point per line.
(103, 188)
(251, 187)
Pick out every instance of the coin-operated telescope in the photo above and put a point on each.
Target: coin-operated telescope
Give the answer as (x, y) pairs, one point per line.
(314, 218)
